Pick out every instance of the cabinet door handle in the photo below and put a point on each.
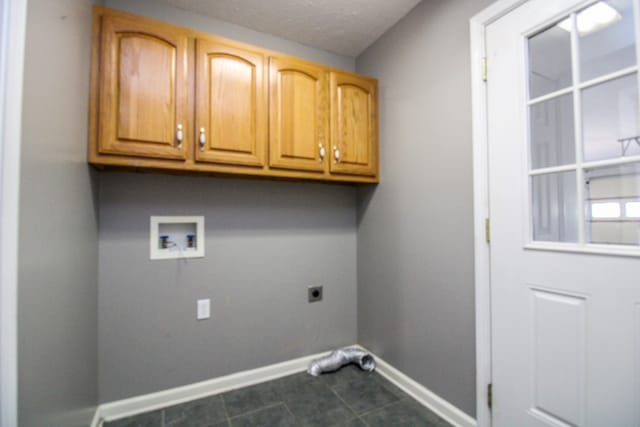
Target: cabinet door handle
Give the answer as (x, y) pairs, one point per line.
(202, 139)
(179, 136)
(336, 154)
(321, 152)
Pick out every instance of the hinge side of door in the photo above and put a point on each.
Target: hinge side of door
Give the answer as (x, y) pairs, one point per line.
(487, 230)
(490, 395)
(483, 67)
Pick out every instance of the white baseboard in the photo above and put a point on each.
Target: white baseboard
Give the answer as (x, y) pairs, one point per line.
(97, 418)
(426, 397)
(150, 402)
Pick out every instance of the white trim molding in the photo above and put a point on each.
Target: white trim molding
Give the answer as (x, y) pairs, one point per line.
(481, 211)
(150, 402)
(137, 405)
(97, 418)
(426, 397)
(13, 22)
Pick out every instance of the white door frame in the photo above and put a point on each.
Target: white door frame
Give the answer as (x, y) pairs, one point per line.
(12, 42)
(477, 27)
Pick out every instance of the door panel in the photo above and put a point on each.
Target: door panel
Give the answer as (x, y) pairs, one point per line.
(231, 105)
(353, 125)
(559, 345)
(143, 89)
(564, 314)
(298, 115)
(139, 56)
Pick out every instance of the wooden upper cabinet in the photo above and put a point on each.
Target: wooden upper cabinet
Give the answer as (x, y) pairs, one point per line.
(298, 119)
(231, 104)
(169, 98)
(354, 136)
(143, 89)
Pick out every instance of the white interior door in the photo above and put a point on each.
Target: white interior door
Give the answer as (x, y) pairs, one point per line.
(564, 190)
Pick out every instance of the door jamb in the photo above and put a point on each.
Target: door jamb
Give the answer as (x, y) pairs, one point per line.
(477, 28)
(12, 46)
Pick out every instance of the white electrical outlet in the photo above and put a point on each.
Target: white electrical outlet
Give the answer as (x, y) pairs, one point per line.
(204, 309)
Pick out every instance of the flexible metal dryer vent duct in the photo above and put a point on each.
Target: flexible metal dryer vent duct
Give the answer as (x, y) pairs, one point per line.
(340, 358)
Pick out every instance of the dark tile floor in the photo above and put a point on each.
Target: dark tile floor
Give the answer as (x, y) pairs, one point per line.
(347, 398)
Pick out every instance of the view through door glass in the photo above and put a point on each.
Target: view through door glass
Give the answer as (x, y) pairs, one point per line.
(584, 127)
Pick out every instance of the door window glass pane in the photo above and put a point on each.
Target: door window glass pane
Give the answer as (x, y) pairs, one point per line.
(554, 207)
(610, 117)
(632, 210)
(608, 187)
(552, 132)
(607, 38)
(572, 199)
(605, 210)
(549, 61)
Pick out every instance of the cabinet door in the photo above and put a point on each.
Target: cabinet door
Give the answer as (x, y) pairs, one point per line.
(298, 119)
(230, 105)
(354, 127)
(143, 88)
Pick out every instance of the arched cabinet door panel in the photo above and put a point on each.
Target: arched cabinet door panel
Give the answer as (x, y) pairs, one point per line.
(298, 122)
(143, 89)
(354, 146)
(172, 99)
(231, 110)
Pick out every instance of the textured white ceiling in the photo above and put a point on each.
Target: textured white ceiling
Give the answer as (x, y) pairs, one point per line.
(346, 27)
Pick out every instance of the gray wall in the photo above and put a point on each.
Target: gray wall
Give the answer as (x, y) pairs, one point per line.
(58, 249)
(265, 243)
(156, 10)
(415, 230)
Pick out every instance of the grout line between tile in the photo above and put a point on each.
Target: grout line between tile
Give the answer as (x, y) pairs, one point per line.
(343, 401)
(229, 419)
(272, 405)
(381, 384)
(226, 411)
(400, 399)
(290, 413)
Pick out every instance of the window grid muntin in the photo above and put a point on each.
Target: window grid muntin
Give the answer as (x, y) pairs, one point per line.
(585, 85)
(578, 128)
(576, 88)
